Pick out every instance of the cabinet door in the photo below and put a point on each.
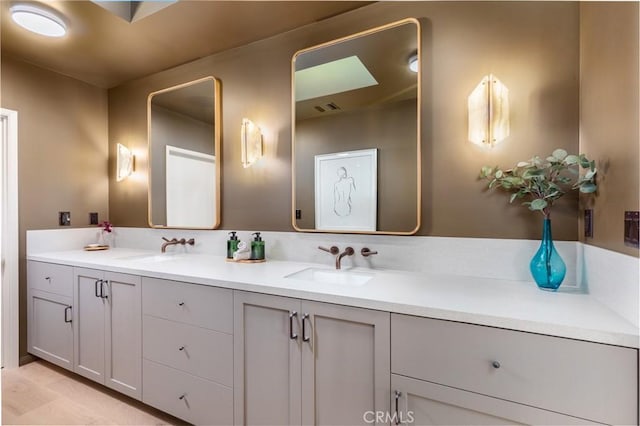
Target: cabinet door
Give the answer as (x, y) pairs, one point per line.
(123, 332)
(425, 403)
(90, 326)
(345, 363)
(267, 359)
(51, 328)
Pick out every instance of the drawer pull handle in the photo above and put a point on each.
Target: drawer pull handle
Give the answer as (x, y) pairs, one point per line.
(305, 338)
(95, 287)
(397, 394)
(181, 348)
(67, 309)
(102, 292)
(181, 304)
(495, 364)
(292, 335)
(181, 397)
(48, 279)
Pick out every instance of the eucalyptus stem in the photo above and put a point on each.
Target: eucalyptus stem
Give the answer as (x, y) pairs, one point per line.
(539, 183)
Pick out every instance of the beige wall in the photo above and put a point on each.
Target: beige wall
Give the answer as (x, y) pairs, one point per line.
(62, 153)
(609, 115)
(533, 47)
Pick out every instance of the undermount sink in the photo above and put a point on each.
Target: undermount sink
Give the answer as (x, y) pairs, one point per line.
(151, 258)
(332, 276)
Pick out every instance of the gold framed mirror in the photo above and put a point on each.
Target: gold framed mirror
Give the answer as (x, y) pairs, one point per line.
(184, 155)
(356, 102)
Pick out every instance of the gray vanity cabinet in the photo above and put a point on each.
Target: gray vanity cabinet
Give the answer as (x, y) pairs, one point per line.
(300, 362)
(50, 312)
(447, 372)
(107, 315)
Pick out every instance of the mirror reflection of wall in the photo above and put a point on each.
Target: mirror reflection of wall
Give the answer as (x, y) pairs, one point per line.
(183, 145)
(356, 94)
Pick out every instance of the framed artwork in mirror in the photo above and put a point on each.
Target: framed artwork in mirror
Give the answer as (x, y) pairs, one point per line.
(346, 190)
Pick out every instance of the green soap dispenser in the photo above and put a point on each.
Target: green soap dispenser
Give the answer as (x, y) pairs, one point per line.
(257, 247)
(232, 244)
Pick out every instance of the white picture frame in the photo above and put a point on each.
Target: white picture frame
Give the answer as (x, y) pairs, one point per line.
(346, 190)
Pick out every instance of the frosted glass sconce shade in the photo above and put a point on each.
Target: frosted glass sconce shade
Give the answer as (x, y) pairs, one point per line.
(251, 142)
(124, 162)
(488, 107)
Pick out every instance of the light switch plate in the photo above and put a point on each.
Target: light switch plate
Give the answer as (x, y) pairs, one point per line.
(632, 229)
(64, 218)
(588, 223)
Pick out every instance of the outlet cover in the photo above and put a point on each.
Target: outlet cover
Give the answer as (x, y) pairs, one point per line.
(93, 218)
(588, 223)
(632, 229)
(298, 214)
(64, 218)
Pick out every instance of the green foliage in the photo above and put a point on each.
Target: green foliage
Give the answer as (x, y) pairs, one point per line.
(540, 182)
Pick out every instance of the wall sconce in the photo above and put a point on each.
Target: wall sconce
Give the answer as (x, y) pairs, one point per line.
(488, 107)
(414, 63)
(124, 162)
(251, 142)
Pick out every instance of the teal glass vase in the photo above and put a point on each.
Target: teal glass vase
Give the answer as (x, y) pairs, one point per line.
(547, 267)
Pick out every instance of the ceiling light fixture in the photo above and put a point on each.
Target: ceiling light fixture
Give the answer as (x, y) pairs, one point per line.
(38, 20)
(414, 63)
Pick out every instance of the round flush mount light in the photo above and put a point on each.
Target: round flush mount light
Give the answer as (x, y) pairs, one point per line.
(38, 20)
(414, 63)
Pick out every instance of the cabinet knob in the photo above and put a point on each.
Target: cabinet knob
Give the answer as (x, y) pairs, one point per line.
(181, 304)
(181, 348)
(48, 278)
(183, 396)
(495, 364)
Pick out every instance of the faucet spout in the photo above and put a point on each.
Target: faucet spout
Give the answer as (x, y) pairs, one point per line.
(167, 242)
(347, 252)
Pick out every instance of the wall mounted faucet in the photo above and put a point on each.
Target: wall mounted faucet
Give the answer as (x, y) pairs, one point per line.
(347, 252)
(175, 241)
(336, 252)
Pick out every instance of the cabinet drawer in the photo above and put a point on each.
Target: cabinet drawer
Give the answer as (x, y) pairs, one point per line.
(425, 403)
(202, 352)
(187, 397)
(200, 305)
(589, 380)
(50, 277)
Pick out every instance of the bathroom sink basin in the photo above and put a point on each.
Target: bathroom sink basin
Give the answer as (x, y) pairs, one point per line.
(332, 276)
(151, 258)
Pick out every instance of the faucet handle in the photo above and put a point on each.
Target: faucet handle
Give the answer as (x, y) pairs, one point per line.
(366, 252)
(349, 251)
(191, 241)
(333, 250)
(164, 238)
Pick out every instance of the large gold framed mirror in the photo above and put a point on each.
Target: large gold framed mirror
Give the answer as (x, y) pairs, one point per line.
(184, 155)
(356, 133)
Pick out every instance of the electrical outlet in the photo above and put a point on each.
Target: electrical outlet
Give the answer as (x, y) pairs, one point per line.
(93, 218)
(588, 223)
(64, 218)
(298, 214)
(632, 228)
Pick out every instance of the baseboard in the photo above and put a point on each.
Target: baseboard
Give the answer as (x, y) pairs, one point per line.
(27, 359)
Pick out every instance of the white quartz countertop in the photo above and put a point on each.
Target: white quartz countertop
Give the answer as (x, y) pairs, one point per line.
(515, 305)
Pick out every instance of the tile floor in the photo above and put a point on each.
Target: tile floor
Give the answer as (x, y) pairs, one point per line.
(40, 393)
